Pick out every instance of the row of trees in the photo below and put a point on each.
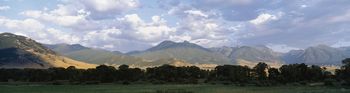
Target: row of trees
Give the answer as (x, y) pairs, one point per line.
(261, 74)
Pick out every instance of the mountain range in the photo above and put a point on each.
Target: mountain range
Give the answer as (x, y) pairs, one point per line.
(22, 52)
(190, 53)
(319, 55)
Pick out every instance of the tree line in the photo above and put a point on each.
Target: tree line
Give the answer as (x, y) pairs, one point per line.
(260, 75)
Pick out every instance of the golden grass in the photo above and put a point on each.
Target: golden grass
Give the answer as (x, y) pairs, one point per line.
(61, 61)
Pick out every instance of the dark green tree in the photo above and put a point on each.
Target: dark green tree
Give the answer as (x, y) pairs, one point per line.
(73, 73)
(260, 71)
(274, 74)
(344, 72)
(105, 73)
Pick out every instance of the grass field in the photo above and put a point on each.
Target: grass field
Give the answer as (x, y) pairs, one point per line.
(165, 89)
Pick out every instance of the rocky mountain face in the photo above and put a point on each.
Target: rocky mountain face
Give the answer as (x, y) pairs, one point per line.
(250, 55)
(319, 55)
(223, 50)
(22, 52)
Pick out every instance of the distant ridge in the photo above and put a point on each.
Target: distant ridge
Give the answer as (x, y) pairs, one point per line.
(62, 48)
(318, 55)
(170, 44)
(189, 52)
(250, 55)
(95, 56)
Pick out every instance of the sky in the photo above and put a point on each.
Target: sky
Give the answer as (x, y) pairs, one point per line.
(128, 25)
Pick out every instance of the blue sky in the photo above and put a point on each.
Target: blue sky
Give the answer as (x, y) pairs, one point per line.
(127, 25)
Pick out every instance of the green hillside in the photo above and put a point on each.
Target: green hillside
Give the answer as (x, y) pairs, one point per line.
(95, 56)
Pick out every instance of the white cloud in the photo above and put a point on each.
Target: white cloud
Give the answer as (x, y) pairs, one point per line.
(136, 28)
(229, 2)
(30, 25)
(4, 8)
(38, 31)
(112, 39)
(198, 28)
(132, 19)
(105, 9)
(116, 24)
(263, 18)
(83, 15)
(63, 20)
(62, 37)
(203, 28)
(64, 10)
(103, 35)
(196, 13)
(234, 10)
(32, 13)
(180, 38)
(111, 5)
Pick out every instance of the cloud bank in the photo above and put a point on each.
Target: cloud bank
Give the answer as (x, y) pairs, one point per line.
(128, 25)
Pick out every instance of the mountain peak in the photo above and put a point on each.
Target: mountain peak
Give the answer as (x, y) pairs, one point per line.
(171, 44)
(78, 46)
(63, 47)
(320, 47)
(319, 55)
(9, 40)
(11, 35)
(185, 50)
(6, 33)
(71, 45)
(261, 46)
(166, 43)
(186, 41)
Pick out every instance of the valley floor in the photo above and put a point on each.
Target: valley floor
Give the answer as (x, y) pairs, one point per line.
(166, 89)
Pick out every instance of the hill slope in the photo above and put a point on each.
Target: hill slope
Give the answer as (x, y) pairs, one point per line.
(22, 52)
(95, 56)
